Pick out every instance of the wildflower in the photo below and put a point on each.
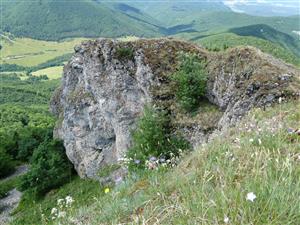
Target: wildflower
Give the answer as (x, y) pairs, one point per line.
(251, 140)
(61, 214)
(151, 165)
(251, 197)
(106, 190)
(54, 211)
(259, 141)
(226, 219)
(162, 160)
(69, 200)
(290, 130)
(152, 158)
(60, 201)
(118, 180)
(137, 161)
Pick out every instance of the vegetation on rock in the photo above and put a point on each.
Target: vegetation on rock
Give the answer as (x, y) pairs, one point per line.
(190, 81)
(154, 139)
(124, 53)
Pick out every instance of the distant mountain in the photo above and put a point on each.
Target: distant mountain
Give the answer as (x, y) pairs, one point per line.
(210, 21)
(265, 7)
(58, 19)
(55, 19)
(172, 12)
(268, 33)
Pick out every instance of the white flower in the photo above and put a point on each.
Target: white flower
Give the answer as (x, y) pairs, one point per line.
(251, 197)
(54, 211)
(251, 140)
(61, 214)
(69, 200)
(259, 142)
(60, 201)
(226, 219)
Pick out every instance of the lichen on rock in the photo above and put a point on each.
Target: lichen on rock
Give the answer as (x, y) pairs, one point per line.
(107, 83)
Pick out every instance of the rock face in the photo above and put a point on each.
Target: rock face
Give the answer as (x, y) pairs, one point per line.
(107, 83)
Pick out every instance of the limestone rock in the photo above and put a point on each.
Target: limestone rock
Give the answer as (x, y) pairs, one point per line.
(107, 83)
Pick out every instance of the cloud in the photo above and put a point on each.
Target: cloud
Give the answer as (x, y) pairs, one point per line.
(235, 4)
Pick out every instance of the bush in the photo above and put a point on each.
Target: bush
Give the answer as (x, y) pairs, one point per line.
(154, 138)
(125, 53)
(190, 82)
(7, 165)
(29, 139)
(50, 168)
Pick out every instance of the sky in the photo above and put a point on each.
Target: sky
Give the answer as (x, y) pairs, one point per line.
(279, 3)
(274, 5)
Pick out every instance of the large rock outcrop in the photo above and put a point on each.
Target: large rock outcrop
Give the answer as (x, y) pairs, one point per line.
(107, 83)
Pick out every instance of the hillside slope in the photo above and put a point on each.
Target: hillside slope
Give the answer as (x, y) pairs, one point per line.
(268, 33)
(210, 186)
(222, 41)
(53, 20)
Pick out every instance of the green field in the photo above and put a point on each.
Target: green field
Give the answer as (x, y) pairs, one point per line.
(29, 52)
(54, 72)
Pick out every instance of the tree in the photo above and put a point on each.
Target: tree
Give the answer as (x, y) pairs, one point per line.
(50, 168)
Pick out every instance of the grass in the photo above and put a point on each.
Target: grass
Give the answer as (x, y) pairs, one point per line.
(38, 211)
(29, 52)
(258, 155)
(54, 72)
(7, 185)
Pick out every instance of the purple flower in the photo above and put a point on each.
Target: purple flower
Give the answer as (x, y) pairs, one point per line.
(137, 161)
(162, 160)
(152, 158)
(118, 180)
(290, 131)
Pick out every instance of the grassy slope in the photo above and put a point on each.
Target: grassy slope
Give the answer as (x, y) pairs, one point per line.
(29, 52)
(268, 33)
(54, 72)
(37, 211)
(256, 156)
(219, 41)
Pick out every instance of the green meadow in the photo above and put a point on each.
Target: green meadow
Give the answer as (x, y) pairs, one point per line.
(29, 52)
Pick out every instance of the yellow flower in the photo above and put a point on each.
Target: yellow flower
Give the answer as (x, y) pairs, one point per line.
(106, 190)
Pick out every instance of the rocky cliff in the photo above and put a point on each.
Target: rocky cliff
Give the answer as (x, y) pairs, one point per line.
(107, 83)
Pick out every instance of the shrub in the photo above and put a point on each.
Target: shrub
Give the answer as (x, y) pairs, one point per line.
(154, 138)
(29, 139)
(125, 53)
(50, 168)
(190, 81)
(7, 165)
